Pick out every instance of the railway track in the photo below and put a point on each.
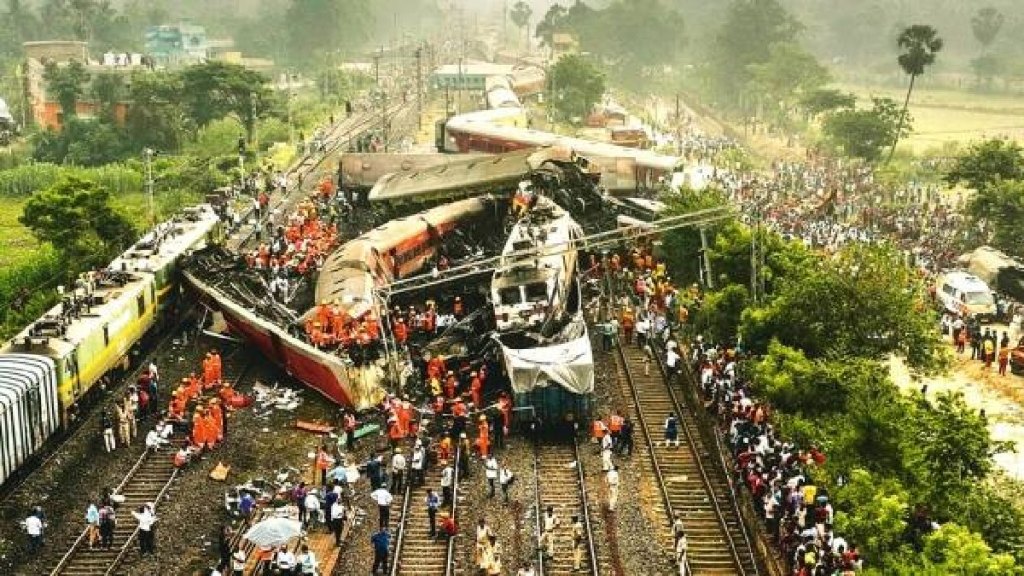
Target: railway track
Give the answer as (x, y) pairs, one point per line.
(148, 481)
(717, 542)
(415, 552)
(560, 485)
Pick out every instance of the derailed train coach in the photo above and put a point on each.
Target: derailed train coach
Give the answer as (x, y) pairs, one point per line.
(556, 381)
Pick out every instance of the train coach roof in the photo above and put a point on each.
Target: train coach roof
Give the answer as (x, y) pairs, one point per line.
(19, 372)
(170, 240)
(456, 178)
(479, 123)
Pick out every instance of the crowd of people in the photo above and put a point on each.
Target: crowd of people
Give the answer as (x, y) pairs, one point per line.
(798, 513)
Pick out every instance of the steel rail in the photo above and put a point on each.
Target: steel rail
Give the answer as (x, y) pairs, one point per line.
(662, 485)
(580, 477)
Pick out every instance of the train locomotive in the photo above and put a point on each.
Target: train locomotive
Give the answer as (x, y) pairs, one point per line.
(55, 366)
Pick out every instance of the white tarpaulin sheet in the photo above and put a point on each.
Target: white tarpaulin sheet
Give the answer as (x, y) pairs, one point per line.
(570, 365)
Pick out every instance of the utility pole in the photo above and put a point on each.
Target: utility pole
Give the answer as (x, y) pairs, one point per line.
(255, 134)
(705, 260)
(376, 67)
(754, 258)
(419, 89)
(291, 125)
(147, 155)
(679, 129)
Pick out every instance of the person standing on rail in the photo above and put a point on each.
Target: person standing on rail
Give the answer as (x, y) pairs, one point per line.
(383, 498)
(433, 502)
(505, 478)
(447, 481)
(549, 522)
(107, 424)
(381, 544)
(577, 543)
(108, 522)
(146, 519)
(671, 428)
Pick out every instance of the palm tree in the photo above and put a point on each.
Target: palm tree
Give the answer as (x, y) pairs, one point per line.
(919, 44)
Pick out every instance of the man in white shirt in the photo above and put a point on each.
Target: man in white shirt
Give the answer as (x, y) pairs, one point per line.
(383, 499)
(312, 502)
(419, 458)
(34, 527)
(146, 519)
(549, 522)
(612, 478)
(285, 560)
(398, 464)
(337, 515)
(505, 477)
(491, 473)
(447, 480)
(154, 441)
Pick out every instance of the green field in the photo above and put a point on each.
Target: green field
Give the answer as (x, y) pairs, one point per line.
(16, 242)
(17, 245)
(943, 116)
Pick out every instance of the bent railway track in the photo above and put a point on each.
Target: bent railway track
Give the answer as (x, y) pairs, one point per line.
(148, 481)
(559, 483)
(717, 541)
(415, 552)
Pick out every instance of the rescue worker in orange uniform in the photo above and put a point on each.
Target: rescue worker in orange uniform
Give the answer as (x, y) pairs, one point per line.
(176, 410)
(195, 386)
(476, 390)
(208, 374)
(199, 434)
(323, 313)
(217, 419)
(435, 367)
(627, 321)
(212, 430)
(483, 438)
(450, 385)
(505, 406)
(401, 332)
(615, 426)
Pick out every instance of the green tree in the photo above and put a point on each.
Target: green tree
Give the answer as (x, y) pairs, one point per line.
(1000, 208)
(951, 450)
(986, 67)
(919, 44)
(214, 90)
(871, 512)
(751, 27)
(821, 101)
(719, 315)
(67, 83)
(76, 218)
(575, 86)
(866, 133)
(789, 73)
(520, 15)
(553, 21)
(863, 302)
(156, 118)
(986, 25)
(985, 163)
(108, 90)
(953, 549)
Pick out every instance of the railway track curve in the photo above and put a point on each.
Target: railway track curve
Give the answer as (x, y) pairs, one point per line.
(700, 494)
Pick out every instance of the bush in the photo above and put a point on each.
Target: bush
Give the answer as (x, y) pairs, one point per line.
(26, 179)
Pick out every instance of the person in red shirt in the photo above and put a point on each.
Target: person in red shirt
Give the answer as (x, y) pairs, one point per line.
(476, 389)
